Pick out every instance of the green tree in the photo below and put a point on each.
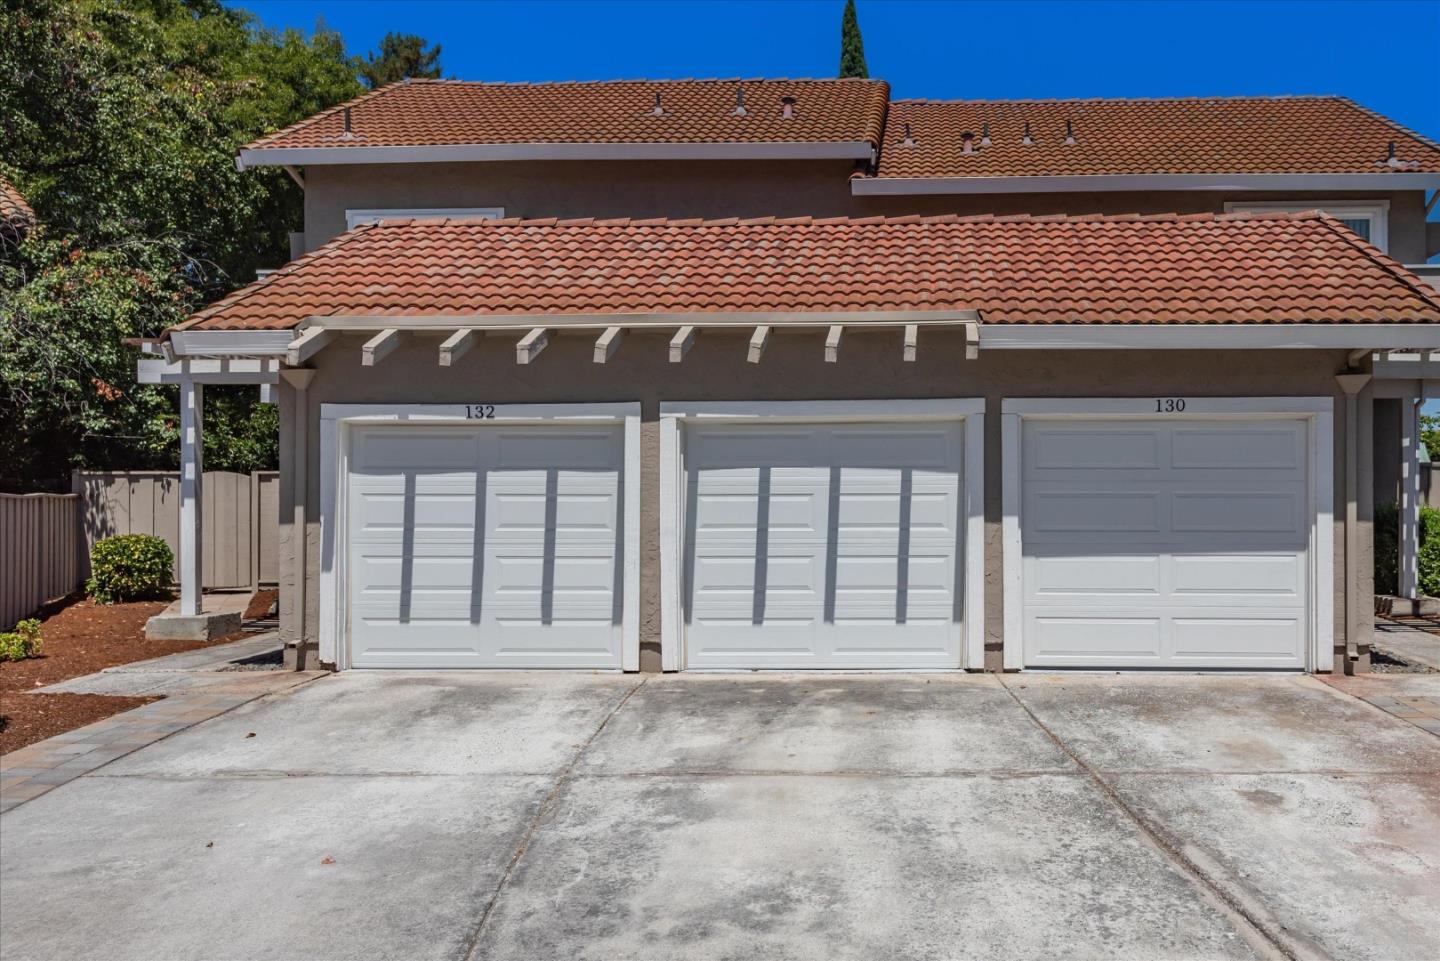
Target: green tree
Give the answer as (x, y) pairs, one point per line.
(401, 56)
(119, 123)
(1430, 434)
(852, 47)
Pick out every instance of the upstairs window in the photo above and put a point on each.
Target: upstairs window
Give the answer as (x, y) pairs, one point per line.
(1367, 218)
(354, 218)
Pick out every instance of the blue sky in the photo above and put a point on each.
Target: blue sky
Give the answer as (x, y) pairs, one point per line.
(1384, 55)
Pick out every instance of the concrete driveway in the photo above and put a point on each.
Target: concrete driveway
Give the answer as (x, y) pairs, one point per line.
(885, 816)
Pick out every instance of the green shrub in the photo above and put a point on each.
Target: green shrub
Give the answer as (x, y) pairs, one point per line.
(22, 642)
(1387, 550)
(130, 567)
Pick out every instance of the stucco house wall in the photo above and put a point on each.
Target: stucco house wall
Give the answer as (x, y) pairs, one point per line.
(793, 368)
(789, 188)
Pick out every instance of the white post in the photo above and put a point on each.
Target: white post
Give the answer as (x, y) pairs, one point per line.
(1409, 497)
(192, 469)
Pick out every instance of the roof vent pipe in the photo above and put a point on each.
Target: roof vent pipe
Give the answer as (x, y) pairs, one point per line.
(985, 134)
(740, 110)
(787, 108)
(1069, 134)
(657, 110)
(349, 133)
(909, 140)
(1026, 139)
(967, 142)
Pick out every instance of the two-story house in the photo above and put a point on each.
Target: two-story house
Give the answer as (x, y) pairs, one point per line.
(725, 374)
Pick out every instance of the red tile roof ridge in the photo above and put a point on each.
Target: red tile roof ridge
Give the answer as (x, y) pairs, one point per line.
(874, 219)
(1427, 293)
(455, 81)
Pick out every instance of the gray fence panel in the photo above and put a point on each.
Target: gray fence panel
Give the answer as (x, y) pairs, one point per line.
(39, 552)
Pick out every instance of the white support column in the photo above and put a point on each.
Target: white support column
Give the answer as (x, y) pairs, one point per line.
(1409, 497)
(192, 470)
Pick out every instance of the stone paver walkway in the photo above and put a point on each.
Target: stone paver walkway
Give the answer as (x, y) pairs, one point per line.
(1411, 697)
(194, 688)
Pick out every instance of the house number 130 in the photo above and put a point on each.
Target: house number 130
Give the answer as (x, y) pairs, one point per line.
(1169, 405)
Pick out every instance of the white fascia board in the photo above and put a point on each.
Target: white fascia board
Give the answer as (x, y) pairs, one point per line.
(230, 343)
(489, 152)
(1206, 336)
(1109, 183)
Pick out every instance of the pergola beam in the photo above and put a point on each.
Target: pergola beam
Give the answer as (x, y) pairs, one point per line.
(758, 342)
(531, 345)
(681, 343)
(309, 343)
(378, 347)
(832, 344)
(456, 344)
(608, 343)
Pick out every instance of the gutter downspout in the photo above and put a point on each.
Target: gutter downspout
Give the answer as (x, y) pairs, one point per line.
(299, 380)
(1352, 384)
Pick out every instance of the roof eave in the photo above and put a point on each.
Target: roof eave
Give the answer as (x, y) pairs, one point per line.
(1109, 183)
(469, 153)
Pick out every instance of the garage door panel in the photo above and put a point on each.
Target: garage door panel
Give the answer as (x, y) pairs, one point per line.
(1062, 447)
(1197, 560)
(1238, 511)
(1072, 510)
(1261, 641)
(513, 562)
(1112, 638)
(1231, 575)
(828, 521)
(1238, 447)
(1067, 574)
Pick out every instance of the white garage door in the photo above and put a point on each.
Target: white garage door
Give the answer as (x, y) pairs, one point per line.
(829, 546)
(491, 546)
(1165, 544)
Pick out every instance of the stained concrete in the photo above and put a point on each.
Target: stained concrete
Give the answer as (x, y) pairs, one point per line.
(1408, 644)
(399, 724)
(920, 816)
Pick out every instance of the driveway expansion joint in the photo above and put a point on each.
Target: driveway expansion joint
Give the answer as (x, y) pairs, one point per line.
(1257, 931)
(542, 814)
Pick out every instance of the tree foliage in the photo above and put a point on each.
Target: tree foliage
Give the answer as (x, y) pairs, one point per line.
(401, 56)
(852, 47)
(119, 123)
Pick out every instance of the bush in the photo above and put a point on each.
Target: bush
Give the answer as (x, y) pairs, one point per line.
(131, 567)
(22, 642)
(1387, 550)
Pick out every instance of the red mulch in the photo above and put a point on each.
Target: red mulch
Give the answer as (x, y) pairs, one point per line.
(81, 638)
(259, 607)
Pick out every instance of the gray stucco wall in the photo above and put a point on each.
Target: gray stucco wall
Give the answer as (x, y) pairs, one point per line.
(742, 189)
(793, 368)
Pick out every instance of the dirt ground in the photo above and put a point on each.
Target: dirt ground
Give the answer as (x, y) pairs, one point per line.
(81, 638)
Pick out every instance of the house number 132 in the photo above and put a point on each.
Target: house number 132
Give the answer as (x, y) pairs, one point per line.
(1169, 405)
(480, 411)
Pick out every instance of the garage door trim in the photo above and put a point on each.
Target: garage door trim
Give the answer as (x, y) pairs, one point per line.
(336, 421)
(971, 411)
(1318, 412)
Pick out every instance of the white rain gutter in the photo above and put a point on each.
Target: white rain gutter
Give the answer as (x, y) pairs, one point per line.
(490, 152)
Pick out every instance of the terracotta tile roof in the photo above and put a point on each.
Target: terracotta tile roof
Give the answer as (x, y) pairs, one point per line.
(1202, 268)
(1185, 136)
(13, 208)
(453, 112)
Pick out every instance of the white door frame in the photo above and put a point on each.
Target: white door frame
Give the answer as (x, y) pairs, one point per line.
(336, 421)
(970, 410)
(1318, 412)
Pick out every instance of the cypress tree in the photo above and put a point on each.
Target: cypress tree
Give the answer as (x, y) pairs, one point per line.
(852, 48)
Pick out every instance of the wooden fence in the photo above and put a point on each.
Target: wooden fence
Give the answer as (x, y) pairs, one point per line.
(45, 539)
(40, 550)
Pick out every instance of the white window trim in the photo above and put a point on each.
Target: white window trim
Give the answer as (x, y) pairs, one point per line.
(336, 420)
(353, 218)
(1376, 211)
(1318, 411)
(970, 411)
